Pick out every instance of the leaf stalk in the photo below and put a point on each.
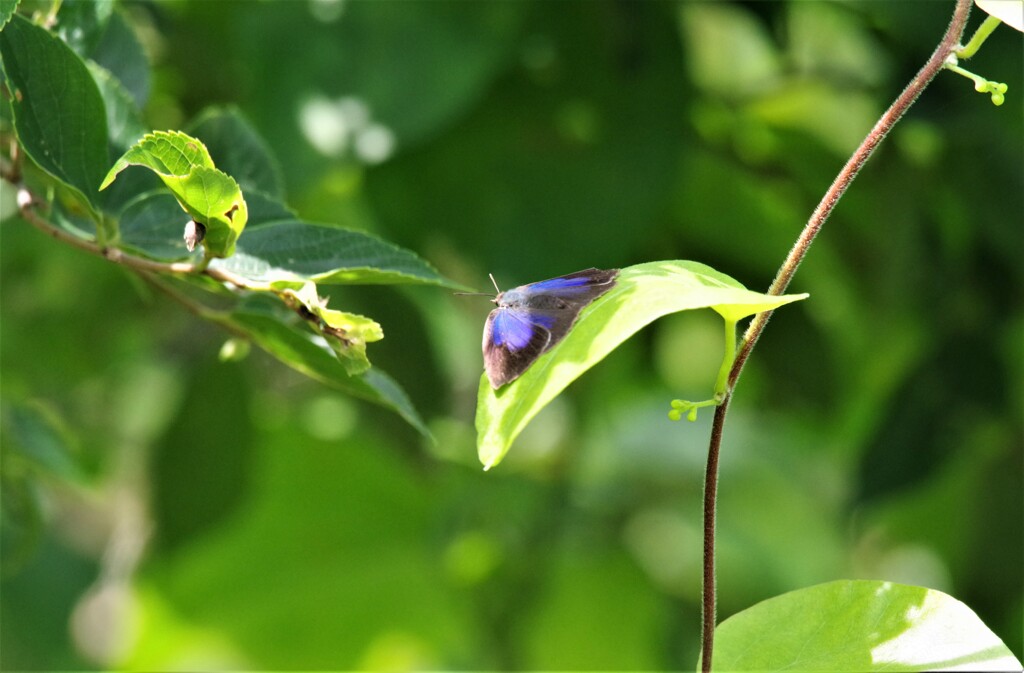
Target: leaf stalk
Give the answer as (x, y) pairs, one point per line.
(984, 30)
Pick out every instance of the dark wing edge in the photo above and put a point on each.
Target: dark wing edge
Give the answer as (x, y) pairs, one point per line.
(503, 364)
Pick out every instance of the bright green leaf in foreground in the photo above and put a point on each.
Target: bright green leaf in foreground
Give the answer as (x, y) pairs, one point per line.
(58, 112)
(211, 197)
(860, 625)
(169, 154)
(642, 294)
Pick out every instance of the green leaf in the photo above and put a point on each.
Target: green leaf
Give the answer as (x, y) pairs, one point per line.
(169, 154)
(860, 625)
(120, 53)
(263, 320)
(240, 150)
(346, 333)
(58, 111)
(293, 249)
(152, 224)
(642, 294)
(81, 24)
(214, 198)
(265, 208)
(210, 196)
(7, 8)
(36, 441)
(124, 121)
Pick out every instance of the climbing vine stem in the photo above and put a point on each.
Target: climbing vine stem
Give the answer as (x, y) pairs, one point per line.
(949, 44)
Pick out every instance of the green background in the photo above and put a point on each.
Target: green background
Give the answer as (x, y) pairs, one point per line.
(238, 515)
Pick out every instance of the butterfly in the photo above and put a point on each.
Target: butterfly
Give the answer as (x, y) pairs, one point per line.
(531, 319)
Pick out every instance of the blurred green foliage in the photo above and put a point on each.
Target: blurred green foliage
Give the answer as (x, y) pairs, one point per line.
(876, 433)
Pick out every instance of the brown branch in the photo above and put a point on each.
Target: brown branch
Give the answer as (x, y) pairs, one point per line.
(949, 43)
(27, 206)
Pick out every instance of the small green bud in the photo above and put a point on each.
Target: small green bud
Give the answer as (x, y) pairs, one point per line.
(234, 350)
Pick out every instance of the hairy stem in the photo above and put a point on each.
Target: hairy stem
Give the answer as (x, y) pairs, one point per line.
(949, 44)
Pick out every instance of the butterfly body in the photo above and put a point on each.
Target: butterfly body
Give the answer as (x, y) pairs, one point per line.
(530, 319)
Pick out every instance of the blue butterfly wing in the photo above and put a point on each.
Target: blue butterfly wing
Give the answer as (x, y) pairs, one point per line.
(531, 319)
(584, 285)
(513, 340)
(516, 328)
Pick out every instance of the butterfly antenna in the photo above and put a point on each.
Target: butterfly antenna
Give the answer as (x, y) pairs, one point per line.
(480, 294)
(495, 283)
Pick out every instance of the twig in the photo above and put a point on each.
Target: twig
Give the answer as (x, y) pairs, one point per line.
(27, 206)
(194, 307)
(950, 42)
